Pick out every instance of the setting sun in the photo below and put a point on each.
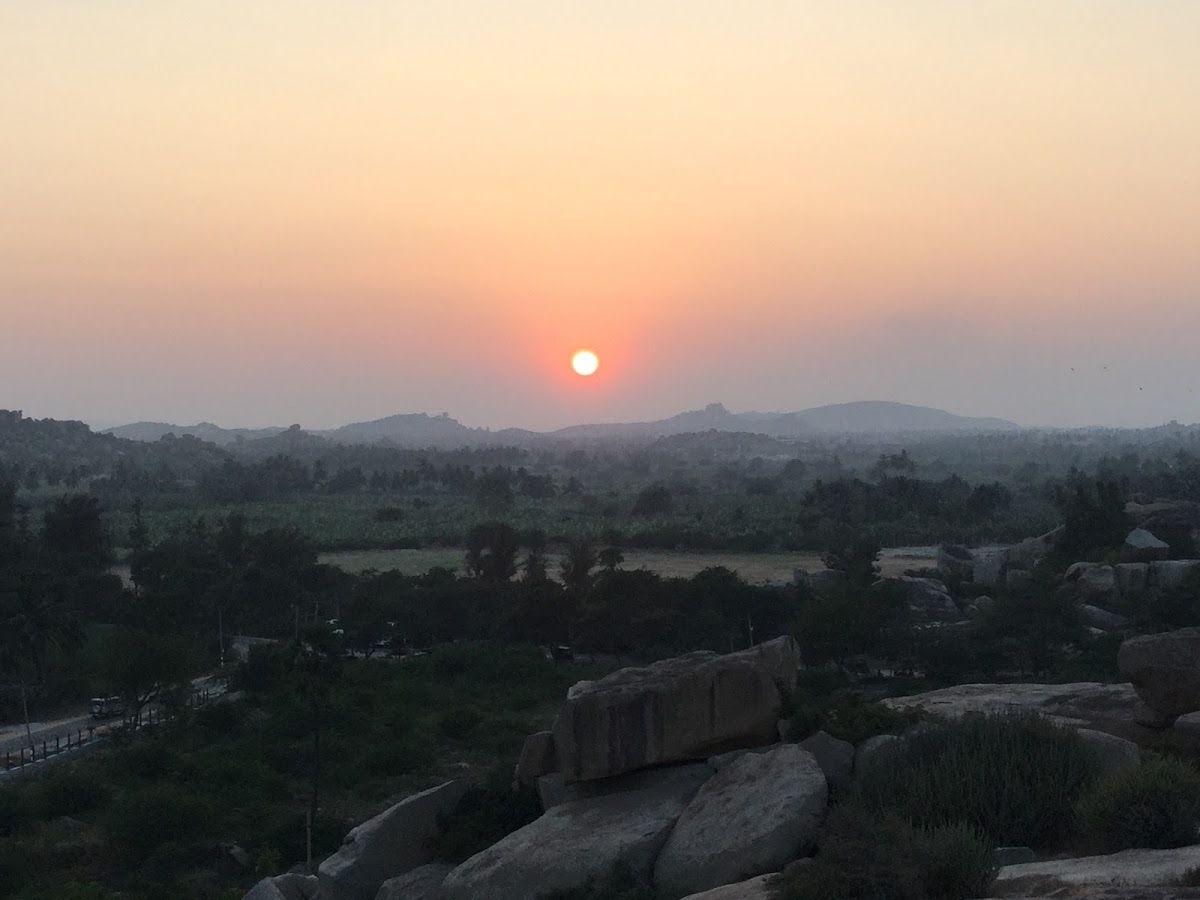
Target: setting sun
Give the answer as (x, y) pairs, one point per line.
(585, 362)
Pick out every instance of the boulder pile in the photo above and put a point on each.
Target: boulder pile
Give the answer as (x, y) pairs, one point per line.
(673, 771)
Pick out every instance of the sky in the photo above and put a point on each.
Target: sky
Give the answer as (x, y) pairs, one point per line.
(320, 212)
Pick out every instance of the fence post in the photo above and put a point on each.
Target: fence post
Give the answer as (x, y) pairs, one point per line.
(43, 750)
(57, 748)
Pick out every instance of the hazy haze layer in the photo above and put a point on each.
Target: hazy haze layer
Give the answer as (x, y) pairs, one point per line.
(326, 212)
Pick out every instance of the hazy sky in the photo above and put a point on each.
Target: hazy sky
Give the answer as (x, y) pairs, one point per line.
(321, 211)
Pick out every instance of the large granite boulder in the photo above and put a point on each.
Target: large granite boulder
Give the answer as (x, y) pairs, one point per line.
(1164, 669)
(537, 758)
(1109, 752)
(1115, 708)
(754, 816)
(1095, 617)
(290, 886)
(1096, 584)
(928, 597)
(1133, 579)
(684, 708)
(1171, 574)
(1127, 868)
(835, 757)
(758, 888)
(1028, 553)
(422, 883)
(579, 840)
(392, 843)
(1142, 544)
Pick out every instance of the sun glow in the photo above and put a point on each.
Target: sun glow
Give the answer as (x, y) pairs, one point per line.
(585, 362)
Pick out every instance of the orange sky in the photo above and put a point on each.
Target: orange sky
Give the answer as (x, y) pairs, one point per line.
(319, 211)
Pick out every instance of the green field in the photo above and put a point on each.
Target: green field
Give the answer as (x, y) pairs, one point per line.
(755, 568)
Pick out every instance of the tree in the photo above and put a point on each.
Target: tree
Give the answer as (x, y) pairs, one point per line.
(653, 501)
(577, 565)
(141, 667)
(492, 552)
(315, 668)
(856, 561)
(611, 556)
(1094, 519)
(73, 532)
(30, 627)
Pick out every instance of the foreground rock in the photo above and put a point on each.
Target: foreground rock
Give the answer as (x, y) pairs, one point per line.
(537, 759)
(928, 597)
(579, 840)
(284, 887)
(758, 888)
(1165, 670)
(835, 757)
(394, 842)
(1145, 545)
(422, 883)
(754, 816)
(1111, 753)
(688, 707)
(1114, 708)
(1145, 868)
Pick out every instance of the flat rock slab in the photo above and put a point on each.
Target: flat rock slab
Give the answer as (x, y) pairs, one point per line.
(1129, 868)
(284, 887)
(1114, 708)
(685, 708)
(758, 888)
(757, 814)
(394, 842)
(579, 840)
(422, 883)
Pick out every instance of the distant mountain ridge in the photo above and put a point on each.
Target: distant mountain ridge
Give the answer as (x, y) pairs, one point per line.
(423, 430)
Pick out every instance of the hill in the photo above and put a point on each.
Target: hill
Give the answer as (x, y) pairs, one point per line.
(862, 417)
(205, 431)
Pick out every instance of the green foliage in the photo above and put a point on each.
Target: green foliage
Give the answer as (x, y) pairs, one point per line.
(1154, 804)
(1014, 778)
(484, 815)
(69, 791)
(865, 854)
(845, 715)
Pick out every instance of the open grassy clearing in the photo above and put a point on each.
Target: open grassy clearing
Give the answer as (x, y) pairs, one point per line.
(755, 568)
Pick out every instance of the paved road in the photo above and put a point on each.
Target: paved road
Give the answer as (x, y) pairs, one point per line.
(13, 738)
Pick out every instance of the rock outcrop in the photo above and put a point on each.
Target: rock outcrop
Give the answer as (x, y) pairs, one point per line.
(753, 817)
(422, 883)
(394, 842)
(1114, 708)
(579, 840)
(835, 757)
(1165, 670)
(688, 707)
(758, 888)
(285, 887)
(1127, 868)
(1144, 545)
(928, 597)
(537, 758)
(1111, 753)
(955, 562)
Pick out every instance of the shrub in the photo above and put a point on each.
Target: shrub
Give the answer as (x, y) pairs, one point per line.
(459, 722)
(1154, 804)
(862, 854)
(845, 715)
(484, 815)
(69, 792)
(1015, 778)
(143, 819)
(15, 810)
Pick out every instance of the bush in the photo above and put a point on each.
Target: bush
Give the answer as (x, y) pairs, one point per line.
(69, 792)
(484, 815)
(862, 854)
(1015, 778)
(458, 723)
(1155, 804)
(142, 819)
